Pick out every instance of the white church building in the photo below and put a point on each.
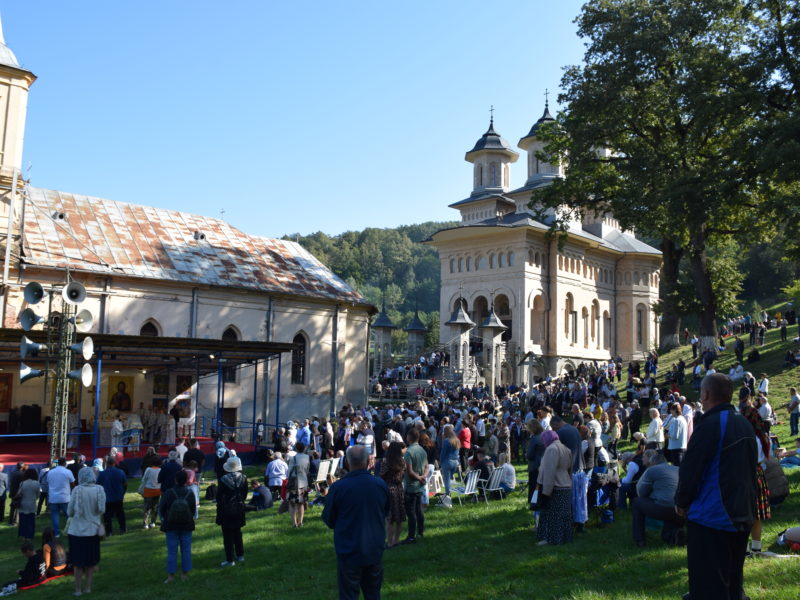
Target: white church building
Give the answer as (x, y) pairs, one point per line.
(589, 299)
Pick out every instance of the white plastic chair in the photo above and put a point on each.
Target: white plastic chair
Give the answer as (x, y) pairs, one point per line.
(470, 488)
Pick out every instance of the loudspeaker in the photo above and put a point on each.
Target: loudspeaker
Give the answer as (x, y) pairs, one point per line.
(29, 319)
(83, 321)
(33, 293)
(28, 347)
(25, 373)
(84, 348)
(73, 293)
(84, 375)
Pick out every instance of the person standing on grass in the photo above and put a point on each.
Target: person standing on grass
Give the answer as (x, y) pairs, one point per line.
(554, 483)
(85, 511)
(115, 484)
(448, 457)
(231, 497)
(298, 467)
(59, 485)
(13, 487)
(150, 490)
(416, 460)
(392, 468)
(177, 509)
(356, 507)
(27, 495)
(717, 493)
(3, 493)
(677, 434)
(794, 414)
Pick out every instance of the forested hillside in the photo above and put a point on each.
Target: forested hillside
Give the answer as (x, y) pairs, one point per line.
(390, 265)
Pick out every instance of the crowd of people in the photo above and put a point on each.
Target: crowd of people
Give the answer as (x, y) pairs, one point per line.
(90, 498)
(565, 430)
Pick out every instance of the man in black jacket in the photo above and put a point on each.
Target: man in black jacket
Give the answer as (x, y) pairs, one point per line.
(717, 494)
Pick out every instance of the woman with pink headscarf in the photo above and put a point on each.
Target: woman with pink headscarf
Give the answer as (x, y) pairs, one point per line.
(555, 492)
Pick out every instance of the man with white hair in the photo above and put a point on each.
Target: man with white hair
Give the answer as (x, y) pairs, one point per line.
(355, 508)
(277, 470)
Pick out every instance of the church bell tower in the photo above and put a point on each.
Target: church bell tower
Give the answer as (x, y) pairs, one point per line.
(14, 84)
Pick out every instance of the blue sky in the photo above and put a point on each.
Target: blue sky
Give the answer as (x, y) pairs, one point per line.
(291, 116)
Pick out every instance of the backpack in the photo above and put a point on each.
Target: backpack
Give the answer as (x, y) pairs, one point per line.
(231, 505)
(211, 492)
(179, 516)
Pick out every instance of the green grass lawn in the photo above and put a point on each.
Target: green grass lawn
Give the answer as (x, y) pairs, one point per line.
(470, 552)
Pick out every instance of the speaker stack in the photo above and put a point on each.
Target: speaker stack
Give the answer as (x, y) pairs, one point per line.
(61, 348)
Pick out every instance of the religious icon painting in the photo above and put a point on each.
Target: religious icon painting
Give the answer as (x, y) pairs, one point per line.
(120, 393)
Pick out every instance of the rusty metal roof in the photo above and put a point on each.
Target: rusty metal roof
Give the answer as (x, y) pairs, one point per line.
(83, 233)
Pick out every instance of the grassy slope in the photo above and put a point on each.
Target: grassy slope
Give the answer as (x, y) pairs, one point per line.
(472, 552)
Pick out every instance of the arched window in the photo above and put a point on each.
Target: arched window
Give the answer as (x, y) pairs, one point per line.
(149, 329)
(452, 265)
(229, 373)
(299, 359)
(460, 265)
(501, 260)
(480, 263)
(469, 263)
(491, 261)
(493, 176)
(510, 259)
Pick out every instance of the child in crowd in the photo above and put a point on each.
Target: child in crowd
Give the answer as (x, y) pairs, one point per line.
(33, 572)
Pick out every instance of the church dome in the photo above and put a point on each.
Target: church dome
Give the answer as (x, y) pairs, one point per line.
(532, 134)
(491, 141)
(7, 57)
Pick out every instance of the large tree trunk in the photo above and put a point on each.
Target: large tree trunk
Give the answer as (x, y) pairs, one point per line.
(670, 318)
(698, 259)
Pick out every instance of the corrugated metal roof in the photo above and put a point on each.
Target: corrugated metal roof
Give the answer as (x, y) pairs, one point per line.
(104, 236)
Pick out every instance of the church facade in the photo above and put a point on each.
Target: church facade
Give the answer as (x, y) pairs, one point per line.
(157, 272)
(516, 305)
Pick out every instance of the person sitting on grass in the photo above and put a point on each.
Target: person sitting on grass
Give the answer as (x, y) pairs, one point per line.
(261, 498)
(32, 573)
(55, 557)
(656, 499)
(791, 458)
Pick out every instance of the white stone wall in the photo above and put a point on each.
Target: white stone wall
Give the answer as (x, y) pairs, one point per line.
(130, 303)
(604, 291)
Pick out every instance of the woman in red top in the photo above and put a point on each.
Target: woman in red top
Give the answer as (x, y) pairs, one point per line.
(465, 437)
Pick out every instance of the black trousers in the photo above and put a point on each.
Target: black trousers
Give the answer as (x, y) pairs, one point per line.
(645, 507)
(356, 578)
(416, 519)
(716, 562)
(232, 540)
(3, 506)
(674, 456)
(42, 501)
(114, 508)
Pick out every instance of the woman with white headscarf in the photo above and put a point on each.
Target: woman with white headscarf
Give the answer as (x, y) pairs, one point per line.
(87, 504)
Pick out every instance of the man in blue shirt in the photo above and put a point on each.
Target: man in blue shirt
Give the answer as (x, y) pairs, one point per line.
(115, 484)
(356, 508)
(717, 493)
(304, 434)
